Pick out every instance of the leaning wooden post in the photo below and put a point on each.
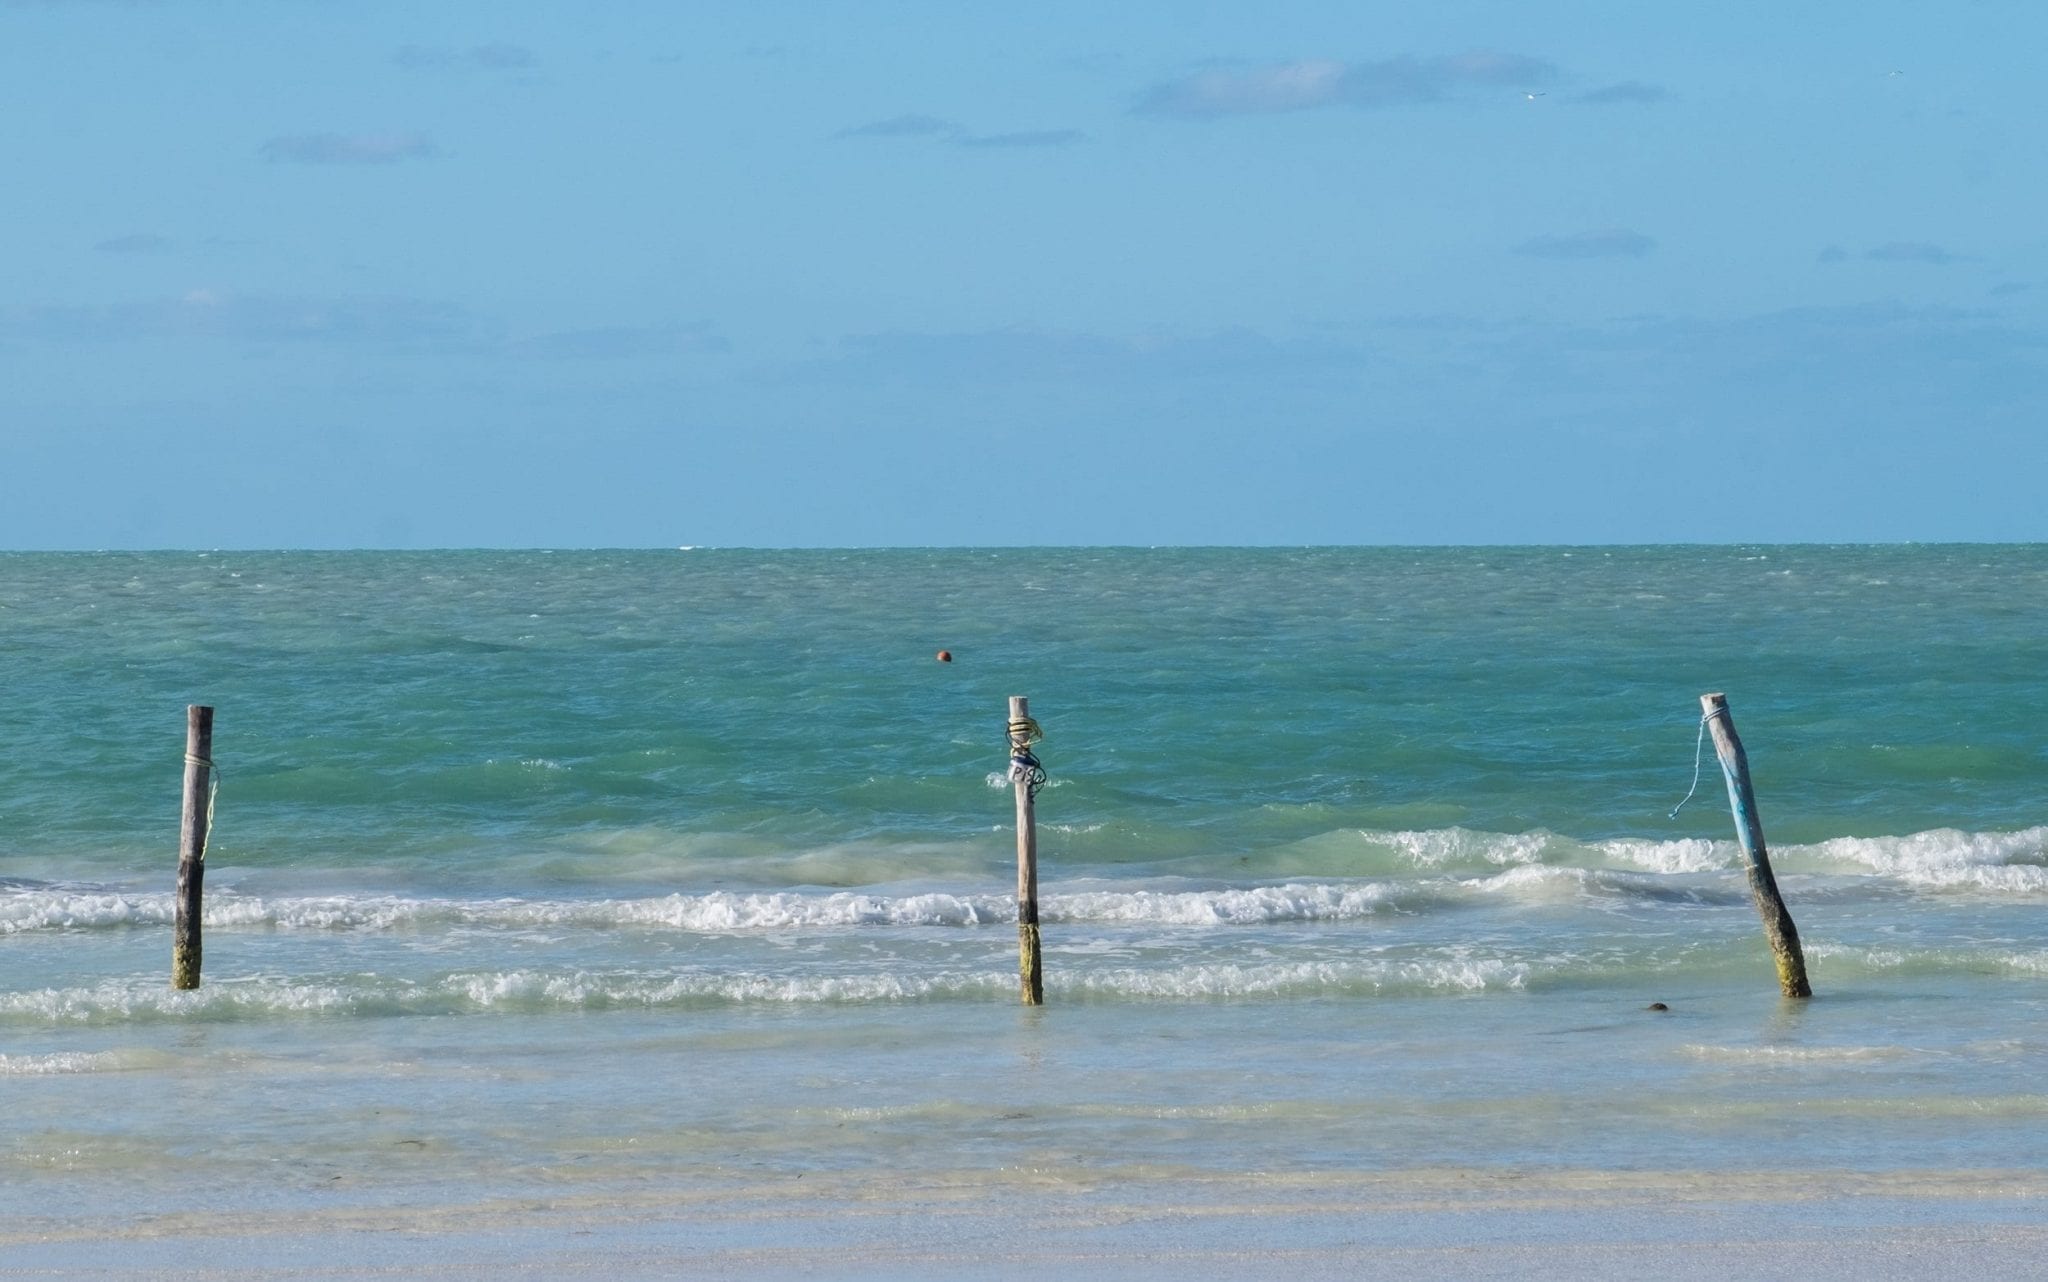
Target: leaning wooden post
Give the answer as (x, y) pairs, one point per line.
(1028, 775)
(192, 831)
(1749, 829)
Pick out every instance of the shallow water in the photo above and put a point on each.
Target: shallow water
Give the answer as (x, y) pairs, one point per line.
(589, 870)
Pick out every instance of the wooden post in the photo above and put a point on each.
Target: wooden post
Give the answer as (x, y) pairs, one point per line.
(1749, 829)
(192, 845)
(1030, 971)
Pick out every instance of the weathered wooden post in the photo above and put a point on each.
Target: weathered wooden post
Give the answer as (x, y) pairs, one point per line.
(192, 832)
(1749, 830)
(1029, 776)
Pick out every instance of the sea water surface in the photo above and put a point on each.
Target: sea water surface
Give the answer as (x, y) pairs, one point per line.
(598, 871)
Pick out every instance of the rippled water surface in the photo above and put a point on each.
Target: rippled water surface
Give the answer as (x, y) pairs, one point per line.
(595, 868)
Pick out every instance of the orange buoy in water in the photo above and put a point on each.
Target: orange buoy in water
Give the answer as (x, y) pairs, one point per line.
(945, 656)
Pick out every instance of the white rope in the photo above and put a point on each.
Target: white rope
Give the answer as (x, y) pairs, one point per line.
(212, 795)
(1698, 751)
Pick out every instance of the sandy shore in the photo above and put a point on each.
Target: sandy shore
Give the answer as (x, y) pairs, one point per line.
(1133, 1227)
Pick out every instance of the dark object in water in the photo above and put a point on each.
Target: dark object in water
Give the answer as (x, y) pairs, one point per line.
(1656, 1006)
(945, 656)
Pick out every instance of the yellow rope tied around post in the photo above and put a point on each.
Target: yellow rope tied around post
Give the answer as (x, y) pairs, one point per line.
(212, 792)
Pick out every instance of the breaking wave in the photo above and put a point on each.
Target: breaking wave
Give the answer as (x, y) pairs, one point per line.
(1413, 872)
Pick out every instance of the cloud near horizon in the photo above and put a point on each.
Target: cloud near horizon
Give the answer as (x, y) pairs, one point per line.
(1310, 83)
(348, 149)
(1611, 242)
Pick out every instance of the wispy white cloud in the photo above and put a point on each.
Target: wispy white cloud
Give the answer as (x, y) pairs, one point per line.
(348, 149)
(1610, 242)
(1286, 86)
(1310, 83)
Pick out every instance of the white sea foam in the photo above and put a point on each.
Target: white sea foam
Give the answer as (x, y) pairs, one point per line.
(2022, 879)
(1533, 882)
(712, 912)
(1965, 959)
(727, 911)
(1798, 1054)
(1550, 884)
(61, 1062)
(2009, 863)
(1302, 979)
(717, 911)
(1257, 905)
(1466, 848)
(1693, 854)
(477, 992)
(1449, 847)
(2001, 862)
(1001, 779)
(25, 910)
(1534, 868)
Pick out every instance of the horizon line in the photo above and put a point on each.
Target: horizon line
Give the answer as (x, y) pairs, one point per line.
(1013, 547)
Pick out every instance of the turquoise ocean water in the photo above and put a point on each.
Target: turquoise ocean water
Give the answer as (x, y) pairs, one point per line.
(594, 871)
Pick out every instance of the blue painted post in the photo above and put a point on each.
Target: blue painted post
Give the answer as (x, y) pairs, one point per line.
(1749, 830)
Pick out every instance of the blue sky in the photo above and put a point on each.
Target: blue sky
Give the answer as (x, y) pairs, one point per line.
(293, 274)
